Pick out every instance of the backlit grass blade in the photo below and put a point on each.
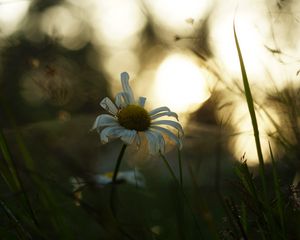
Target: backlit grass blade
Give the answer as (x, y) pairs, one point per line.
(272, 228)
(251, 109)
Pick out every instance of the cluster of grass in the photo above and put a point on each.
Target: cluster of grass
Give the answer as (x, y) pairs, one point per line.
(35, 206)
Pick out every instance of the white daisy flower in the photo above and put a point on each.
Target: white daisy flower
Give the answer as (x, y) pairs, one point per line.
(129, 120)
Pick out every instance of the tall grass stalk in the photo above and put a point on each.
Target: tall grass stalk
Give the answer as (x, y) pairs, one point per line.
(271, 228)
(251, 109)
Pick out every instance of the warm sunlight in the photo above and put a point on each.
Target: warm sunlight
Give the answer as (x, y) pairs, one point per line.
(172, 14)
(180, 84)
(70, 33)
(242, 142)
(11, 14)
(116, 22)
(250, 41)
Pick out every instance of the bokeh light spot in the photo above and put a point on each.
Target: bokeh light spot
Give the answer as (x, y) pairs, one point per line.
(11, 15)
(180, 84)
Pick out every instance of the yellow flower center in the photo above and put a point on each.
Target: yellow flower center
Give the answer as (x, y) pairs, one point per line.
(134, 117)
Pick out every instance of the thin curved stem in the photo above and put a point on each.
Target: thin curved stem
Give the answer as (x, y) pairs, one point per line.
(119, 160)
(114, 180)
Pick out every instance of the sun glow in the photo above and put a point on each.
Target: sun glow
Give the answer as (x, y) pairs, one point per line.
(11, 15)
(116, 23)
(180, 84)
(172, 14)
(243, 141)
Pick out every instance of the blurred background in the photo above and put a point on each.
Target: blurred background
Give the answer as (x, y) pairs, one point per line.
(59, 58)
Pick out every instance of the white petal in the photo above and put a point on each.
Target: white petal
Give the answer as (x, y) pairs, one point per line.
(118, 133)
(157, 110)
(141, 101)
(169, 114)
(169, 123)
(124, 76)
(156, 142)
(109, 132)
(104, 120)
(160, 146)
(126, 87)
(128, 136)
(171, 135)
(151, 142)
(137, 139)
(161, 142)
(109, 106)
(121, 100)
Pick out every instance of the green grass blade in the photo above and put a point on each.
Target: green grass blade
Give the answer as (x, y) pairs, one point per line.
(7, 168)
(247, 180)
(273, 230)
(237, 218)
(20, 230)
(278, 194)
(17, 184)
(244, 217)
(251, 109)
(230, 217)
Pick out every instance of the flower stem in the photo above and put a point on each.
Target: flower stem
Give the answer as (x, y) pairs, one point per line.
(120, 157)
(114, 179)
